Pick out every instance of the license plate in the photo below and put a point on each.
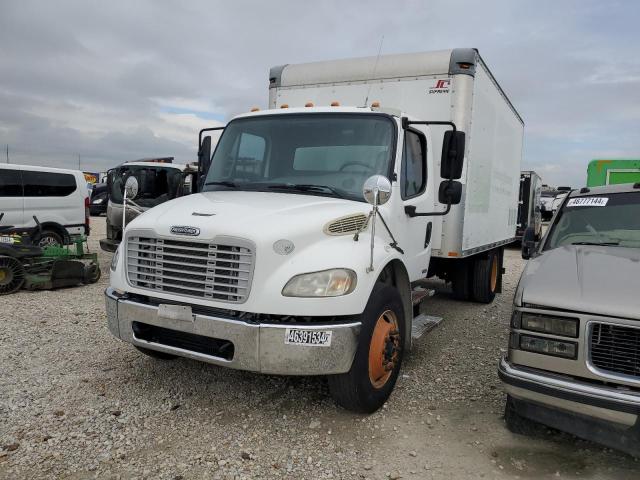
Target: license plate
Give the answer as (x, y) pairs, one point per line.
(308, 338)
(7, 240)
(175, 312)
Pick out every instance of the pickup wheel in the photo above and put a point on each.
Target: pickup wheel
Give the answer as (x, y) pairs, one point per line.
(515, 422)
(486, 275)
(367, 386)
(156, 354)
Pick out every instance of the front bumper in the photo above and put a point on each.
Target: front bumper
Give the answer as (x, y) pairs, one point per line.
(258, 347)
(588, 410)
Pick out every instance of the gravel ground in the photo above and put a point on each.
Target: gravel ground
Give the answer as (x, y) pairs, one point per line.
(77, 403)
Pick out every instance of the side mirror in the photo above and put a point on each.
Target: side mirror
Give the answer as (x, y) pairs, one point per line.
(450, 192)
(377, 190)
(452, 154)
(528, 243)
(204, 159)
(131, 187)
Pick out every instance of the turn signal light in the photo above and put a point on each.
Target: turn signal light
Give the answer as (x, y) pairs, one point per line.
(284, 105)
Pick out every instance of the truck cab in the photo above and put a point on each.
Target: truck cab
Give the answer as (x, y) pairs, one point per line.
(154, 181)
(313, 224)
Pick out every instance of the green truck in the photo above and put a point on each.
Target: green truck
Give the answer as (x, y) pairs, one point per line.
(611, 172)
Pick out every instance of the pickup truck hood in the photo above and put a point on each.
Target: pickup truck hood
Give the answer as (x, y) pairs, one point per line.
(250, 215)
(583, 278)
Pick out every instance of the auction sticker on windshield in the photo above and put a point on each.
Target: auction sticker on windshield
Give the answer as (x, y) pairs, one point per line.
(588, 202)
(309, 338)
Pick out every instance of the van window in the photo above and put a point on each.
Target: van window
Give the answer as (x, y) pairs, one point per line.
(48, 184)
(413, 175)
(10, 183)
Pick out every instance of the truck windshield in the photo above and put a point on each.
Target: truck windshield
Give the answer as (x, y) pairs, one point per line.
(155, 185)
(312, 154)
(612, 220)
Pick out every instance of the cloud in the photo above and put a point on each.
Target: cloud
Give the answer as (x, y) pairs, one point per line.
(114, 81)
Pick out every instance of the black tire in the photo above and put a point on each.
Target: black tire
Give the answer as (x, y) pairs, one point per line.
(486, 277)
(11, 275)
(49, 238)
(355, 390)
(461, 280)
(156, 354)
(515, 422)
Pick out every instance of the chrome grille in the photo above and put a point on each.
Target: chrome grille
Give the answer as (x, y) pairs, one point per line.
(219, 271)
(615, 348)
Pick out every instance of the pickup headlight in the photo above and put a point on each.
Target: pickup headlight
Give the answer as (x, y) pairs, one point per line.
(563, 326)
(114, 260)
(548, 346)
(328, 283)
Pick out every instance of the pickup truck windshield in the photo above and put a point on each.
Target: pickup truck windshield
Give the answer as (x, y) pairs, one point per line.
(155, 184)
(309, 154)
(612, 220)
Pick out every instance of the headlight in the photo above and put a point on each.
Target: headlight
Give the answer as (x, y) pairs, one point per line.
(114, 260)
(328, 283)
(563, 326)
(548, 346)
(97, 201)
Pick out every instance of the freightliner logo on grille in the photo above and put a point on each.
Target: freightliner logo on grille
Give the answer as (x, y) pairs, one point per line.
(183, 230)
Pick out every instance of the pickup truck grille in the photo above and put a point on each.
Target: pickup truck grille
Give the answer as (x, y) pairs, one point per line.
(615, 349)
(218, 271)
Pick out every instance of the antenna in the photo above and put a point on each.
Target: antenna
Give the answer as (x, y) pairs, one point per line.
(375, 67)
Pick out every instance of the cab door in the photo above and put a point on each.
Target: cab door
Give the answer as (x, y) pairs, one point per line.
(415, 191)
(11, 197)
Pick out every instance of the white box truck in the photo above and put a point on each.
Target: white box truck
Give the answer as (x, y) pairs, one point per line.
(318, 216)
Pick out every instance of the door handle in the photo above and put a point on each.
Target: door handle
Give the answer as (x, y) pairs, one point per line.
(427, 236)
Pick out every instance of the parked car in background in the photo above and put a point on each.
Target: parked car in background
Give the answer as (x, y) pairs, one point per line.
(546, 203)
(613, 172)
(99, 199)
(155, 182)
(529, 213)
(57, 197)
(574, 349)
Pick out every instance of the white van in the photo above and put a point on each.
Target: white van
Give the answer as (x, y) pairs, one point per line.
(58, 198)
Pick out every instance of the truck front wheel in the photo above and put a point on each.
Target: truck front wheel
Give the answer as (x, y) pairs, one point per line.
(367, 386)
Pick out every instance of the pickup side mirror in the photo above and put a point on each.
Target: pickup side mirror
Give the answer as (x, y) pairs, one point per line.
(450, 192)
(452, 159)
(204, 159)
(528, 243)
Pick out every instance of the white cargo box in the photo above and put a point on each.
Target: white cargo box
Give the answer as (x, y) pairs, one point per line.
(448, 85)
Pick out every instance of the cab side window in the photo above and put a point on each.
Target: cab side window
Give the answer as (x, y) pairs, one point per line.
(10, 183)
(413, 173)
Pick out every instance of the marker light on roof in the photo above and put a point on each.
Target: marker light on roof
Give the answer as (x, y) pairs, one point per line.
(335, 104)
(284, 105)
(375, 104)
(308, 104)
(255, 109)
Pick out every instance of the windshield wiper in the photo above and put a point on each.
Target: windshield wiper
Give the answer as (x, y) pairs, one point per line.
(596, 243)
(304, 187)
(225, 183)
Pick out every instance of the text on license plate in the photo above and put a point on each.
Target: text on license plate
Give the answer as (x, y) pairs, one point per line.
(310, 338)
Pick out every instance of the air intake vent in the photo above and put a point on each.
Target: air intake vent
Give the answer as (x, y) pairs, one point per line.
(347, 225)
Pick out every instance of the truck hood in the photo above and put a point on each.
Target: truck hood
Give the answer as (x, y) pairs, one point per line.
(583, 278)
(250, 215)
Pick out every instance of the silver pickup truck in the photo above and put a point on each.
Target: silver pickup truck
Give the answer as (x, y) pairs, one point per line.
(574, 347)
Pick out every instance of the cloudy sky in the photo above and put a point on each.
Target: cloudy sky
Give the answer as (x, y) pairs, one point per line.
(119, 80)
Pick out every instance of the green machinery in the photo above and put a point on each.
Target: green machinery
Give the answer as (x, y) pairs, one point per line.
(25, 265)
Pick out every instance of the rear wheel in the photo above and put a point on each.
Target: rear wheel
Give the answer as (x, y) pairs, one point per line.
(461, 280)
(369, 383)
(486, 274)
(156, 354)
(11, 275)
(49, 238)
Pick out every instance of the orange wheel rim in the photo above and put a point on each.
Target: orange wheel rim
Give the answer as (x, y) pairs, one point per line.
(384, 349)
(494, 273)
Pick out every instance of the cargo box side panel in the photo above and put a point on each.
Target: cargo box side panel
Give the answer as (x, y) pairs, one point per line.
(493, 170)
